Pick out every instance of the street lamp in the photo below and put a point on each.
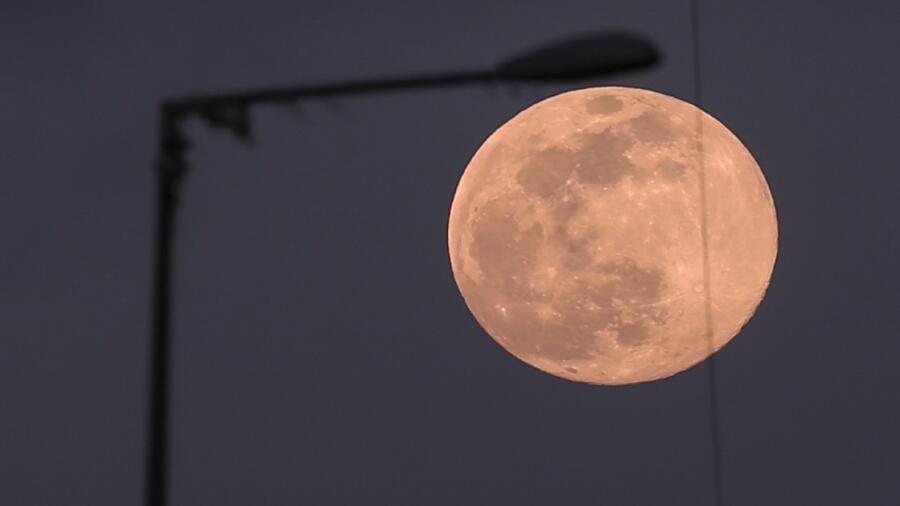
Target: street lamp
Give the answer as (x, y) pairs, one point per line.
(576, 58)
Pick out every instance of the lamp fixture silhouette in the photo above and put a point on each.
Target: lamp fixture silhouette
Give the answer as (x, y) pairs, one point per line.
(577, 58)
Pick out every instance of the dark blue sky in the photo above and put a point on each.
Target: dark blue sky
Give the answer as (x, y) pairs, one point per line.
(323, 353)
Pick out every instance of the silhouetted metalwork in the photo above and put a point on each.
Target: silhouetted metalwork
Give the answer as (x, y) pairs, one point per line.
(577, 58)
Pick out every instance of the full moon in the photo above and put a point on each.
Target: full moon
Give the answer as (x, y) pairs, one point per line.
(612, 235)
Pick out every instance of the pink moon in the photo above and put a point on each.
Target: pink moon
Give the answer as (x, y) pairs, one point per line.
(612, 235)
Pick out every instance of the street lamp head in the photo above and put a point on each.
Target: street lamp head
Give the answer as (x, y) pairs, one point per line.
(581, 57)
(575, 58)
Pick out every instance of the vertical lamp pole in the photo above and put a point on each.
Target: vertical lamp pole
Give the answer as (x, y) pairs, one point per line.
(578, 58)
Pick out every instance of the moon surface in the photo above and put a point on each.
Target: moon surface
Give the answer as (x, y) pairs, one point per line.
(612, 235)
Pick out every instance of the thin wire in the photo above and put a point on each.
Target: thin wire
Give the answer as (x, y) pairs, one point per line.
(704, 234)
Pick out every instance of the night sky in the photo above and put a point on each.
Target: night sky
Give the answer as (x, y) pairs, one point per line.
(323, 354)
